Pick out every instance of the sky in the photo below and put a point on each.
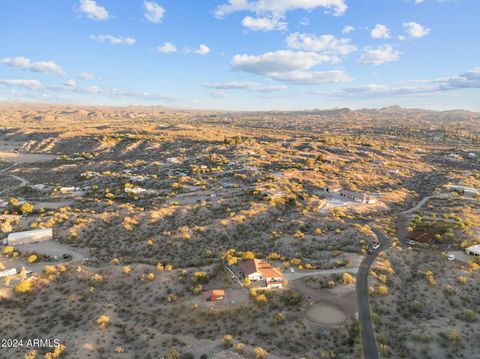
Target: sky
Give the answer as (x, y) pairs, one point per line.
(242, 54)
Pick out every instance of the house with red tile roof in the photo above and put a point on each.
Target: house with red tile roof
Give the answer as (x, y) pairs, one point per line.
(257, 270)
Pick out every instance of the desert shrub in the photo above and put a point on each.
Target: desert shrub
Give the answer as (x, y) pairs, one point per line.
(279, 318)
(260, 353)
(347, 278)
(468, 315)
(239, 347)
(22, 287)
(292, 298)
(227, 341)
(103, 321)
(452, 336)
(49, 270)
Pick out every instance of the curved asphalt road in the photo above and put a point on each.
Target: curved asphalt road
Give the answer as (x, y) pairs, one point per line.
(363, 306)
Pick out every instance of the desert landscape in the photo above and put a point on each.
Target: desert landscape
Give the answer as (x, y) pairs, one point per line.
(194, 234)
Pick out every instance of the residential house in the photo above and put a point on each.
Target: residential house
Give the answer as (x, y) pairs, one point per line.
(358, 196)
(259, 270)
(464, 190)
(135, 190)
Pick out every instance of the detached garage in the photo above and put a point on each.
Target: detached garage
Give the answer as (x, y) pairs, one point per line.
(39, 235)
(214, 295)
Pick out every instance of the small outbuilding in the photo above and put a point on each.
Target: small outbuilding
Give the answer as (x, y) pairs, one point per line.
(473, 250)
(214, 295)
(7, 272)
(38, 235)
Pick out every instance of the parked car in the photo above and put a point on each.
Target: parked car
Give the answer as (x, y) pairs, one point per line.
(410, 242)
(67, 257)
(376, 246)
(451, 257)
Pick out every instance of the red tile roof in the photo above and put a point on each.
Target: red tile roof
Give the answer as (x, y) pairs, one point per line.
(250, 266)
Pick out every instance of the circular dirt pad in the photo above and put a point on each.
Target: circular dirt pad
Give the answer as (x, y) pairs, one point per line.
(326, 313)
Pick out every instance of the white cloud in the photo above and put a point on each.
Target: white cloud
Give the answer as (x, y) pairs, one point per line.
(25, 63)
(71, 87)
(289, 66)
(325, 44)
(244, 85)
(70, 83)
(93, 10)
(415, 30)
(466, 80)
(311, 77)
(167, 48)
(263, 23)
(279, 61)
(379, 55)
(348, 29)
(153, 11)
(202, 50)
(30, 84)
(113, 39)
(380, 32)
(87, 76)
(278, 8)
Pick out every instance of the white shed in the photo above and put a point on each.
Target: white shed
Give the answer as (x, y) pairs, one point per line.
(8, 272)
(473, 250)
(38, 235)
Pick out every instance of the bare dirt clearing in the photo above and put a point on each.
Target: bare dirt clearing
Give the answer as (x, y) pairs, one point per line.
(326, 313)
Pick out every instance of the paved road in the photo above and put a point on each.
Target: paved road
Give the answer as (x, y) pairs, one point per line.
(363, 305)
(296, 275)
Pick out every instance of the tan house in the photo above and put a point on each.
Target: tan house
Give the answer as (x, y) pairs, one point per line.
(257, 270)
(358, 196)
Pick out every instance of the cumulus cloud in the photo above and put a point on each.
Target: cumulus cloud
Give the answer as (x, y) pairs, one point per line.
(289, 66)
(244, 85)
(279, 61)
(113, 39)
(348, 29)
(24, 63)
(414, 29)
(311, 77)
(93, 11)
(379, 55)
(30, 84)
(325, 44)
(202, 50)
(380, 32)
(278, 8)
(153, 11)
(263, 23)
(167, 48)
(466, 80)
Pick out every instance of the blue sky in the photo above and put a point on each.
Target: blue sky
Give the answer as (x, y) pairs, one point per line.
(242, 54)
